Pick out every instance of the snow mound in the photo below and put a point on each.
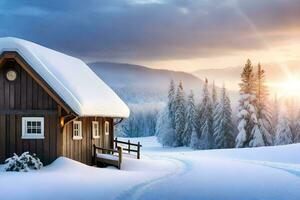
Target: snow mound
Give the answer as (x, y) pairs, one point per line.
(71, 79)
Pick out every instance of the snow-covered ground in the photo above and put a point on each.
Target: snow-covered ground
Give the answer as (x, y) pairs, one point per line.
(167, 173)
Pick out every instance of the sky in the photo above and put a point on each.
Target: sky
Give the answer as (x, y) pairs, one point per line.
(183, 35)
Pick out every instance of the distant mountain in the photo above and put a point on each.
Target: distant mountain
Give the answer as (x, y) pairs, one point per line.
(229, 76)
(139, 84)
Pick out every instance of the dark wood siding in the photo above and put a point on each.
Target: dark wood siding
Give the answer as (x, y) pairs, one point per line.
(81, 150)
(27, 96)
(24, 97)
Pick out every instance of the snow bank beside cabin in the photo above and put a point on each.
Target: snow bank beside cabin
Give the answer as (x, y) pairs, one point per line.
(69, 179)
(167, 173)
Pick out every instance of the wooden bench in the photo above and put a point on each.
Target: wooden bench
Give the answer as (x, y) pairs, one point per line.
(107, 156)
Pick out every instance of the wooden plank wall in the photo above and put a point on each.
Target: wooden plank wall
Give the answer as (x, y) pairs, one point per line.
(24, 94)
(81, 150)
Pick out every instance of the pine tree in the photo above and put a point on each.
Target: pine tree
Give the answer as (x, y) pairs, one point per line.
(275, 114)
(297, 129)
(263, 112)
(206, 137)
(164, 132)
(222, 122)
(190, 120)
(247, 115)
(291, 114)
(165, 126)
(179, 104)
(194, 140)
(214, 96)
(257, 137)
(283, 132)
(171, 107)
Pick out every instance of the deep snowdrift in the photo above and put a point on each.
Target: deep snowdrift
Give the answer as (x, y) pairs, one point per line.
(166, 173)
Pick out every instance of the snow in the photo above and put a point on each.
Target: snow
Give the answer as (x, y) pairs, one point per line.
(167, 173)
(107, 156)
(71, 79)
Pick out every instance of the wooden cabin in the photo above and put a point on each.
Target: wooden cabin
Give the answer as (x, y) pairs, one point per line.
(53, 104)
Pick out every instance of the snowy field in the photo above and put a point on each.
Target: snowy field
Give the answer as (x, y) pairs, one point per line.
(165, 173)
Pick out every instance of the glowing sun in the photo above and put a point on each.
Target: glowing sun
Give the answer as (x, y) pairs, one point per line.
(290, 87)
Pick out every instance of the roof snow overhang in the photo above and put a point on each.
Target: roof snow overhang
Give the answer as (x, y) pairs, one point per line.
(69, 80)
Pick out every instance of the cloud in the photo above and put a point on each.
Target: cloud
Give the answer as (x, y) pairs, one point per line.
(151, 29)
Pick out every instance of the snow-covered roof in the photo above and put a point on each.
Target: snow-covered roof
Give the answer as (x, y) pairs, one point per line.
(81, 89)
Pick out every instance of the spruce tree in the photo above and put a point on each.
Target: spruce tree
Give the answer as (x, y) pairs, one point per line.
(283, 132)
(222, 122)
(263, 111)
(248, 130)
(190, 119)
(275, 114)
(297, 129)
(165, 126)
(171, 107)
(194, 140)
(179, 104)
(291, 114)
(214, 96)
(206, 137)
(164, 132)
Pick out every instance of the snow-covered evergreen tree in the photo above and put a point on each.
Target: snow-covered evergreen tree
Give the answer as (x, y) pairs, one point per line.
(190, 120)
(257, 137)
(180, 115)
(275, 114)
(283, 132)
(222, 122)
(214, 96)
(297, 129)
(194, 139)
(292, 108)
(165, 125)
(171, 107)
(263, 112)
(248, 128)
(206, 120)
(164, 131)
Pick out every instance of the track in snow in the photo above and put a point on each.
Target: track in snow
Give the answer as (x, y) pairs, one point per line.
(182, 167)
(291, 169)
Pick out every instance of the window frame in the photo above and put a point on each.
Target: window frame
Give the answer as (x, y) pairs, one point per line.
(106, 128)
(79, 135)
(95, 136)
(26, 135)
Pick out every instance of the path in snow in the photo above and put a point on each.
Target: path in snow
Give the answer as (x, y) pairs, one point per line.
(289, 168)
(269, 173)
(181, 167)
(215, 179)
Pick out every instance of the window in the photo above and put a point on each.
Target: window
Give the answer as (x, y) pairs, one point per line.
(77, 130)
(106, 128)
(33, 128)
(95, 129)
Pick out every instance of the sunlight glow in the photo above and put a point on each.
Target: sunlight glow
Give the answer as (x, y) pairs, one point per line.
(289, 88)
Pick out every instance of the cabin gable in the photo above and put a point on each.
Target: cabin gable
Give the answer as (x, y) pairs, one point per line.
(9, 56)
(29, 97)
(25, 97)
